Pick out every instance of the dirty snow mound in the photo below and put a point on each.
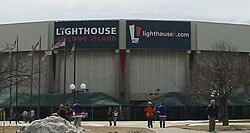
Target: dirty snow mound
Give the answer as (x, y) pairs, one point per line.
(52, 124)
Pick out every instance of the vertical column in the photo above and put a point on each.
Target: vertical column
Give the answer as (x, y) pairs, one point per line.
(58, 82)
(117, 75)
(123, 90)
(188, 58)
(126, 76)
(123, 65)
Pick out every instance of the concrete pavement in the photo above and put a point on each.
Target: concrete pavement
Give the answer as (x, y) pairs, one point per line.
(175, 130)
(143, 124)
(168, 129)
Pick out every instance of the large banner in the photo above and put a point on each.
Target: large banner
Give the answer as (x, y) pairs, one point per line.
(158, 35)
(88, 34)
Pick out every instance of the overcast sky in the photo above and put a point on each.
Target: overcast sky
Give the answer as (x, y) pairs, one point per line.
(226, 11)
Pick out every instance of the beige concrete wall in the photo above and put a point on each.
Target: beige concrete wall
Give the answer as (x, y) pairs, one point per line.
(151, 70)
(28, 33)
(97, 69)
(237, 35)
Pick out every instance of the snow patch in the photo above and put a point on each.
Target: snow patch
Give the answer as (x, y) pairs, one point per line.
(52, 124)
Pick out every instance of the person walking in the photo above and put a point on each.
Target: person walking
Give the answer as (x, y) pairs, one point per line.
(25, 116)
(150, 114)
(162, 114)
(212, 112)
(115, 115)
(110, 116)
(32, 115)
(62, 111)
(16, 116)
(77, 113)
(69, 112)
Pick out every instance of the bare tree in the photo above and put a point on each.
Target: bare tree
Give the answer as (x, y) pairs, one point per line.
(12, 73)
(219, 73)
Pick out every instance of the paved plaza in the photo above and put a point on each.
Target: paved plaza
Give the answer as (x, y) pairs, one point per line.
(143, 124)
(168, 129)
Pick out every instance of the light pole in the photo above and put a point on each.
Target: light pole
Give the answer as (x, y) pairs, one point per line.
(83, 86)
(73, 88)
(83, 89)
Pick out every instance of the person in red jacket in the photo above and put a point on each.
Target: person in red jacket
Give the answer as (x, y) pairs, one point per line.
(62, 111)
(149, 110)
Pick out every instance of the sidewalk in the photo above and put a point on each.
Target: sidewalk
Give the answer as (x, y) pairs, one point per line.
(169, 126)
(143, 124)
(176, 130)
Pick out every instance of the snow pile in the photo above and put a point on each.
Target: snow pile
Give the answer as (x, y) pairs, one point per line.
(52, 124)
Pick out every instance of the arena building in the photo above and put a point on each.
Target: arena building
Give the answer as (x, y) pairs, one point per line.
(131, 60)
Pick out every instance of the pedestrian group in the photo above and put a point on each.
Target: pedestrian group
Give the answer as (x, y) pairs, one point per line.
(77, 113)
(150, 110)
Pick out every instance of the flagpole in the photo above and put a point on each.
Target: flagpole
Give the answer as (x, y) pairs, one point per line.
(64, 75)
(17, 62)
(10, 84)
(51, 70)
(31, 79)
(39, 77)
(74, 74)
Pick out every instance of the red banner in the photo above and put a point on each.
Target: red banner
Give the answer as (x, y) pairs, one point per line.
(123, 62)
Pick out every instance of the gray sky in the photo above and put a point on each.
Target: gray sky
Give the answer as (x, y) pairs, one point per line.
(228, 11)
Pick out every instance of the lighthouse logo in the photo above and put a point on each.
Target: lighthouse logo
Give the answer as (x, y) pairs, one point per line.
(135, 33)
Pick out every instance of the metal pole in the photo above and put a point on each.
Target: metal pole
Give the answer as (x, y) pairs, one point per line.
(75, 73)
(31, 80)
(39, 77)
(51, 71)
(17, 62)
(10, 85)
(64, 74)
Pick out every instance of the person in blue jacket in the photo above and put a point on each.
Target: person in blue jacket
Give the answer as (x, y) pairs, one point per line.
(162, 112)
(77, 113)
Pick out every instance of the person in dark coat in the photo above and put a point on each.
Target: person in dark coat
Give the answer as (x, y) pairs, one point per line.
(16, 116)
(69, 112)
(212, 113)
(115, 115)
(62, 111)
(110, 116)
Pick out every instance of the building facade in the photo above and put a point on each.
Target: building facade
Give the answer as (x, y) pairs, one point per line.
(131, 60)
